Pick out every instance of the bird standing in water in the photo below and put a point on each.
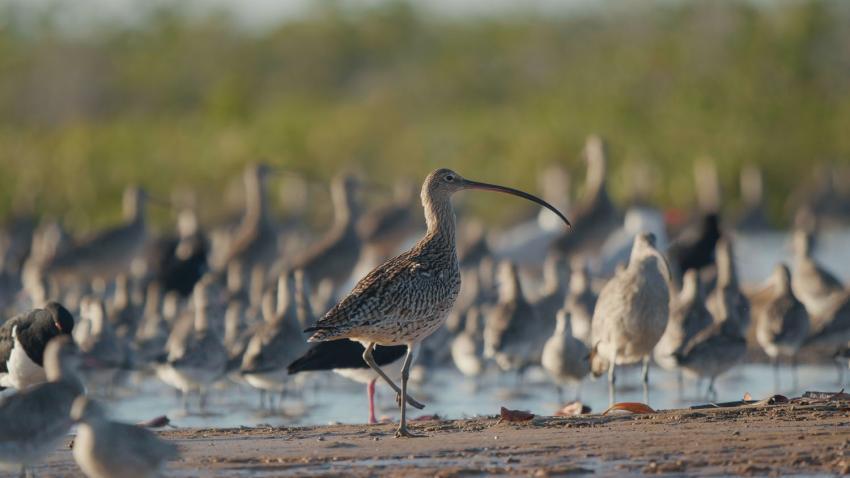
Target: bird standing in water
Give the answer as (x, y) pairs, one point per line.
(407, 298)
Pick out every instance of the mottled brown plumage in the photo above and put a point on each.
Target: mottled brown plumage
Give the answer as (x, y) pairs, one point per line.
(407, 298)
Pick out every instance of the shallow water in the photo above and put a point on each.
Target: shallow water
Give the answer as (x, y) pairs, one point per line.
(326, 398)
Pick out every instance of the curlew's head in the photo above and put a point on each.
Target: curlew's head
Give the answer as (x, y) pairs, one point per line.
(442, 183)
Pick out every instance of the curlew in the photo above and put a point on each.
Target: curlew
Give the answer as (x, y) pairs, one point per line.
(565, 357)
(631, 313)
(783, 324)
(407, 298)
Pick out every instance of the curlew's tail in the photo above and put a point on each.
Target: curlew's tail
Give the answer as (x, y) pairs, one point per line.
(323, 333)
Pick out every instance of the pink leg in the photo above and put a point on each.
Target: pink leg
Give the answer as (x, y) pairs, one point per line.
(370, 390)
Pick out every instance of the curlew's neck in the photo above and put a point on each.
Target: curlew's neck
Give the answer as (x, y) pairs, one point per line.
(439, 219)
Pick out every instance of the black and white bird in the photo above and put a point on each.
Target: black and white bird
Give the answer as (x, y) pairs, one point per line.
(23, 339)
(345, 357)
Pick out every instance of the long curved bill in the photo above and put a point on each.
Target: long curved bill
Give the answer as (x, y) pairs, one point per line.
(516, 192)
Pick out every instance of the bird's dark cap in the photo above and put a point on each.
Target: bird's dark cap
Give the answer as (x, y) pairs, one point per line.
(62, 319)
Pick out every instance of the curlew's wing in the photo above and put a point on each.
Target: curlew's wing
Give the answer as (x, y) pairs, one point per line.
(396, 290)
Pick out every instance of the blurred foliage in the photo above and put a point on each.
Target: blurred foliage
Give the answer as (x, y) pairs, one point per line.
(176, 101)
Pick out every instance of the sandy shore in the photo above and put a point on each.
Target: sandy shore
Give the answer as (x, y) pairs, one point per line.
(805, 437)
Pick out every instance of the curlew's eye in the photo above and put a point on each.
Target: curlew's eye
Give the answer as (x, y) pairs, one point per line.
(450, 178)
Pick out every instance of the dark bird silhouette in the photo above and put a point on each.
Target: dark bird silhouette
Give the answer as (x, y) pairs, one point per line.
(694, 247)
(23, 339)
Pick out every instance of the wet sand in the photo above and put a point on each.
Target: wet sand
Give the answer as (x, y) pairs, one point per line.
(803, 437)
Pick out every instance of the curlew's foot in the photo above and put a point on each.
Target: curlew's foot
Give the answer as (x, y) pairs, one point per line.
(403, 432)
(410, 400)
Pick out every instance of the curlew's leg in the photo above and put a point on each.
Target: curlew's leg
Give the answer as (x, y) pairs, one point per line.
(185, 401)
(370, 391)
(370, 361)
(840, 365)
(405, 374)
(611, 380)
(560, 394)
(262, 399)
(646, 379)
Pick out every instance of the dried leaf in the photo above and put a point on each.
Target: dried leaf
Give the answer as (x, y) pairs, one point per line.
(573, 409)
(508, 415)
(628, 407)
(747, 397)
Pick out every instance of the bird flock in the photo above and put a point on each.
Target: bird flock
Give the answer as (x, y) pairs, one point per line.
(257, 302)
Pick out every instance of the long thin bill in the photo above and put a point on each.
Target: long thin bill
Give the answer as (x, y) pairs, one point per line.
(516, 192)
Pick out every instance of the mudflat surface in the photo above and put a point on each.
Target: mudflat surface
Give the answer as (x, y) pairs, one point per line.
(810, 437)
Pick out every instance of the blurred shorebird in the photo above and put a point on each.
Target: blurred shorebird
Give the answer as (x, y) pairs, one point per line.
(109, 252)
(407, 298)
(383, 229)
(727, 289)
(581, 301)
(335, 255)
(105, 449)
(195, 356)
(814, 286)
(512, 328)
(631, 313)
(255, 240)
(277, 343)
(35, 420)
(688, 317)
(783, 324)
(564, 356)
(23, 340)
(715, 349)
(693, 247)
(467, 347)
(595, 216)
(753, 217)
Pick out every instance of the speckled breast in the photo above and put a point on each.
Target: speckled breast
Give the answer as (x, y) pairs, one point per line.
(425, 309)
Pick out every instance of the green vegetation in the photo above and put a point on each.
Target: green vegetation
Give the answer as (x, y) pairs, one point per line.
(186, 102)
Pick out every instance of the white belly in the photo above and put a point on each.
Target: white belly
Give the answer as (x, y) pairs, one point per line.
(23, 372)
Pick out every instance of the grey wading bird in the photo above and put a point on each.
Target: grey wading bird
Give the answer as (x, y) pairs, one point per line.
(407, 298)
